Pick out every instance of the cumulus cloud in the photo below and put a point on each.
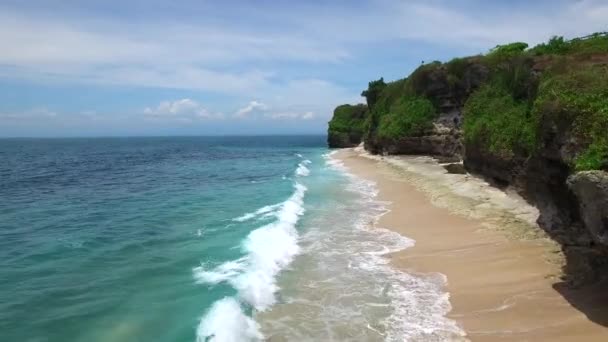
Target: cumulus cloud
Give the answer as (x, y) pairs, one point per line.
(252, 106)
(182, 110)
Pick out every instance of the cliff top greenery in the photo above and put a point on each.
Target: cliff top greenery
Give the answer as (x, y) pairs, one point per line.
(348, 117)
(508, 95)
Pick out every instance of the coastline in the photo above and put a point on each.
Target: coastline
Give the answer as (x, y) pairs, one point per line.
(501, 272)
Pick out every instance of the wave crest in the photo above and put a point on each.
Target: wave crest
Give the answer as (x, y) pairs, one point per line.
(269, 249)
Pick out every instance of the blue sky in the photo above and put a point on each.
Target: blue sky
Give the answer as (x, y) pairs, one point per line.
(85, 68)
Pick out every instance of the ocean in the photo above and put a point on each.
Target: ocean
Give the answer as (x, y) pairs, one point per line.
(201, 239)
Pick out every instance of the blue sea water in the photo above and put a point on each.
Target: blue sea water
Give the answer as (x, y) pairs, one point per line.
(200, 239)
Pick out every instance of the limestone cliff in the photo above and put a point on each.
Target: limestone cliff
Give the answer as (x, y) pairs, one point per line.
(533, 119)
(347, 126)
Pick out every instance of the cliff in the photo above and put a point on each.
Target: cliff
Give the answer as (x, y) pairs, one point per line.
(533, 119)
(347, 126)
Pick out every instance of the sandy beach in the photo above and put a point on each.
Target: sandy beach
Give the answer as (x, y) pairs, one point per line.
(503, 274)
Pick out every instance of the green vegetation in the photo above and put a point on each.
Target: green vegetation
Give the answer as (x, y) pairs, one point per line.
(348, 118)
(409, 115)
(509, 50)
(373, 91)
(417, 83)
(594, 43)
(494, 119)
(348, 123)
(512, 98)
(456, 69)
(579, 98)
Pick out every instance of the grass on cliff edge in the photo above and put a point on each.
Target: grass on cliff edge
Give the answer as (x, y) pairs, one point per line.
(593, 43)
(348, 119)
(503, 116)
(579, 97)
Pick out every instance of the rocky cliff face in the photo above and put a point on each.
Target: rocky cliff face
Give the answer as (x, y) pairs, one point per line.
(346, 126)
(443, 137)
(591, 191)
(573, 206)
(528, 120)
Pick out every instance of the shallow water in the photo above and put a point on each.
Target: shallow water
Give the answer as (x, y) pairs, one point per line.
(185, 239)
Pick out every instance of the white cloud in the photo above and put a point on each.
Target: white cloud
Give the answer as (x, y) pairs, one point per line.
(34, 114)
(209, 55)
(257, 58)
(259, 110)
(308, 116)
(251, 107)
(290, 115)
(180, 110)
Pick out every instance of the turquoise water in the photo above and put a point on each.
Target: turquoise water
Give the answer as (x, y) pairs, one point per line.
(196, 239)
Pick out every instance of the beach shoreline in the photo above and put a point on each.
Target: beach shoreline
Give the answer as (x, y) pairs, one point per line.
(501, 271)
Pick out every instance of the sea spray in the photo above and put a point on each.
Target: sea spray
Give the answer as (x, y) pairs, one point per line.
(343, 287)
(226, 322)
(268, 250)
(302, 170)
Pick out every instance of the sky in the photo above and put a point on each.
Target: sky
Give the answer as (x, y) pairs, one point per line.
(151, 67)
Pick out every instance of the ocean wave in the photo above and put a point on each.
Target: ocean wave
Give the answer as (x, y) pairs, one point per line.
(418, 302)
(335, 164)
(302, 170)
(347, 277)
(268, 250)
(226, 322)
(260, 212)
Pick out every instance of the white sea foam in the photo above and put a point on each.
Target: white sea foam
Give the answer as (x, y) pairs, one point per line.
(419, 302)
(268, 250)
(347, 277)
(226, 322)
(223, 272)
(260, 212)
(334, 163)
(302, 170)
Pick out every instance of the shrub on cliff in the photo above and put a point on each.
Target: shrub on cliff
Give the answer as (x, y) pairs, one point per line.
(593, 43)
(578, 97)
(347, 125)
(513, 97)
(509, 50)
(390, 93)
(408, 116)
(498, 123)
(373, 91)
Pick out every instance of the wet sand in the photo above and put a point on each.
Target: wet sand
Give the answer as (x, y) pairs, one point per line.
(503, 274)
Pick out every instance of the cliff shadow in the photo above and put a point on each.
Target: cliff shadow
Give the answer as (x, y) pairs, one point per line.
(591, 300)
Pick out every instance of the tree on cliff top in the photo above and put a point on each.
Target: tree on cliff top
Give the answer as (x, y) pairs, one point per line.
(373, 91)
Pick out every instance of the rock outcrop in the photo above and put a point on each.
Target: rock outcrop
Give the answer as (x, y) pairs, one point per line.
(525, 118)
(443, 137)
(346, 126)
(591, 191)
